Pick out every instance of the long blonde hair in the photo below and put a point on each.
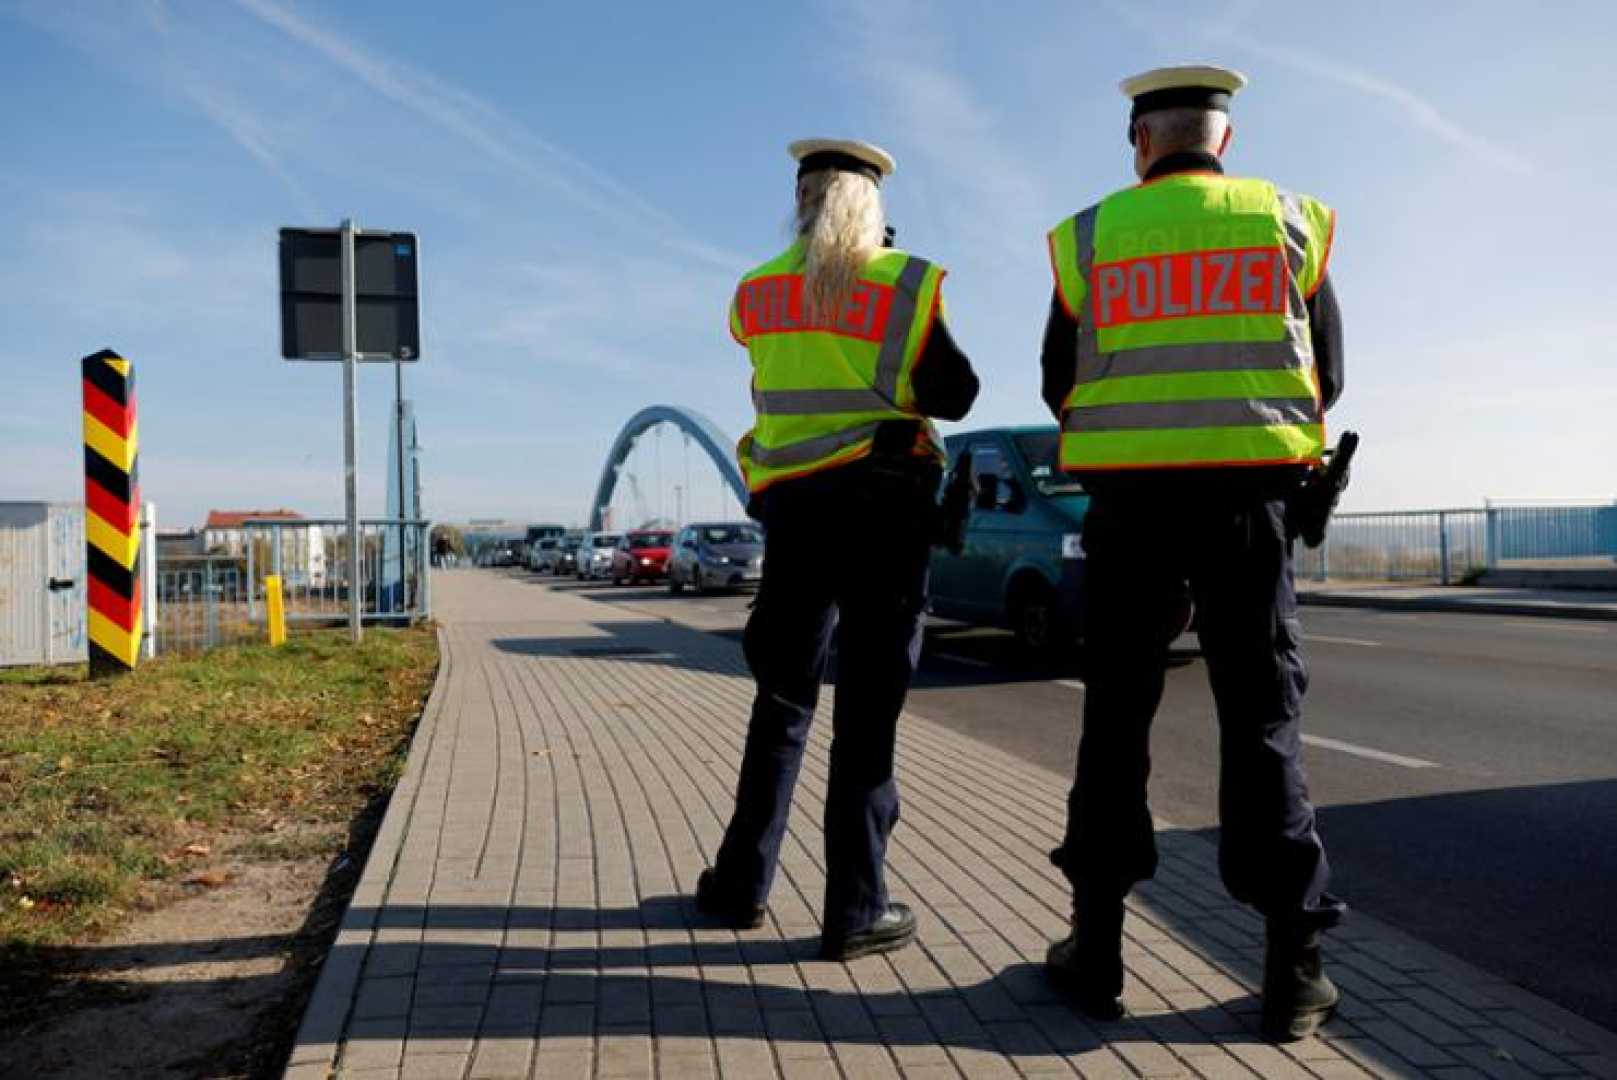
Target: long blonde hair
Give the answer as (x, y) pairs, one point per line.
(839, 219)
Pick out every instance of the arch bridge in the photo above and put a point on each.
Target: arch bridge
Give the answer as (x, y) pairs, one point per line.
(705, 433)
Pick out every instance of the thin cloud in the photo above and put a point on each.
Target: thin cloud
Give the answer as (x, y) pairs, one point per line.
(943, 118)
(481, 126)
(247, 131)
(1228, 31)
(103, 36)
(1414, 108)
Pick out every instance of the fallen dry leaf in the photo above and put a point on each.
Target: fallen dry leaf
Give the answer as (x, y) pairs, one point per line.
(211, 879)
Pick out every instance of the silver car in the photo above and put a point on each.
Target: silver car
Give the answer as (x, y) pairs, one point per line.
(542, 556)
(716, 555)
(595, 555)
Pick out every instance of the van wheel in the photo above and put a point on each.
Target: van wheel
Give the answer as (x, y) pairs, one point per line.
(1034, 620)
(675, 586)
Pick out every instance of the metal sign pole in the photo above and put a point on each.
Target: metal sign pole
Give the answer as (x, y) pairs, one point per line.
(350, 354)
(398, 425)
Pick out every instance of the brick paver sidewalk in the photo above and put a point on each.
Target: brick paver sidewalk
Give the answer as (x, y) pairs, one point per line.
(526, 910)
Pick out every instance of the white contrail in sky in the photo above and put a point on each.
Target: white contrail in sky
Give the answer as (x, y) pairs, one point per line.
(1229, 31)
(247, 132)
(480, 125)
(1416, 109)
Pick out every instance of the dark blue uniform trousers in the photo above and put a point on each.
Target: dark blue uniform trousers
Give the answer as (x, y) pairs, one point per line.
(1236, 555)
(845, 552)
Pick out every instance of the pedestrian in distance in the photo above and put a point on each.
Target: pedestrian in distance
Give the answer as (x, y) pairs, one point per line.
(1192, 348)
(850, 358)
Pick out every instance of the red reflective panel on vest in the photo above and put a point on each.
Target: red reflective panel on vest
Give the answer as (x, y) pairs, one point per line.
(1238, 281)
(774, 305)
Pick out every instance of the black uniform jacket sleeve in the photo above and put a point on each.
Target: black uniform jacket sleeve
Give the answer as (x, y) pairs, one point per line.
(1325, 328)
(1057, 359)
(945, 386)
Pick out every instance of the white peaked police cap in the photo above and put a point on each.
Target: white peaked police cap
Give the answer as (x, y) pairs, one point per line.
(1204, 86)
(847, 155)
(1197, 86)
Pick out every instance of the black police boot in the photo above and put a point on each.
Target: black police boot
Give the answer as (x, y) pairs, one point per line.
(893, 929)
(1297, 994)
(733, 911)
(1088, 963)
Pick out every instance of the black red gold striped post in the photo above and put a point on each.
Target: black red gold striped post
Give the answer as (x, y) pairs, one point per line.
(111, 513)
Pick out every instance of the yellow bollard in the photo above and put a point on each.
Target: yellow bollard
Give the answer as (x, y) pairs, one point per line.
(276, 609)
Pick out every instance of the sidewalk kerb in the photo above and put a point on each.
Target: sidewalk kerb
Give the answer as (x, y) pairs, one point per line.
(325, 1018)
(1587, 612)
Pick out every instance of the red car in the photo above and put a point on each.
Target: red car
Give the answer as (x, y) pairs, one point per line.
(641, 555)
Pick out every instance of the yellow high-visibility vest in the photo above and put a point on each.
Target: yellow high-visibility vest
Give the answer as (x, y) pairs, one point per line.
(1193, 346)
(820, 387)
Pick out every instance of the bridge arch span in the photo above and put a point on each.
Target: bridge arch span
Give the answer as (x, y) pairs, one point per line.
(704, 432)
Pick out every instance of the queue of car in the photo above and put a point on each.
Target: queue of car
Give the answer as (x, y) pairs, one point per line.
(702, 556)
(1021, 567)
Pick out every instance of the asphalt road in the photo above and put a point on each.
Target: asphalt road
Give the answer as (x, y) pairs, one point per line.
(1465, 767)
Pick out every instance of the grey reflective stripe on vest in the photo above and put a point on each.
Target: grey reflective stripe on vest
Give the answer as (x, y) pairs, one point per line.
(1297, 239)
(1297, 234)
(809, 451)
(1179, 359)
(1084, 226)
(810, 402)
(1215, 412)
(900, 318)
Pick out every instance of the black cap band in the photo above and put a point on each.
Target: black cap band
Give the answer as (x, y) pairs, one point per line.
(824, 160)
(1178, 97)
(1181, 97)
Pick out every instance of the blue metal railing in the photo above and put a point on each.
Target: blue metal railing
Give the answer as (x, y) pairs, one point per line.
(1448, 545)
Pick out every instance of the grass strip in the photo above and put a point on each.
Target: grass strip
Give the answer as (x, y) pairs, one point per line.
(115, 792)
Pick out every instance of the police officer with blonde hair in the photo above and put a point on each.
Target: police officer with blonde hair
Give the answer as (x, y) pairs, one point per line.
(1192, 349)
(850, 358)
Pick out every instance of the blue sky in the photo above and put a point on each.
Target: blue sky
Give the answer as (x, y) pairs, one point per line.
(588, 180)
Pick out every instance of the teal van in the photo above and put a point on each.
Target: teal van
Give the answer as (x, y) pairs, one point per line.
(1022, 566)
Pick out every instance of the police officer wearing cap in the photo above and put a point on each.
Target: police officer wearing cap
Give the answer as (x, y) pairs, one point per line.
(1192, 349)
(850, 358)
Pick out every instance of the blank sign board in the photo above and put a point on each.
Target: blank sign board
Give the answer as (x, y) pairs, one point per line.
(386, 299)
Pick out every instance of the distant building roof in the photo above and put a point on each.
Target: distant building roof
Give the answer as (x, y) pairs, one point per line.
(233, 519)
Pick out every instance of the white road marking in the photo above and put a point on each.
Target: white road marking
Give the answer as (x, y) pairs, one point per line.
(1073, 684)
(1328, 639)
(1365, 752)
(1552, 623)
(969, 661)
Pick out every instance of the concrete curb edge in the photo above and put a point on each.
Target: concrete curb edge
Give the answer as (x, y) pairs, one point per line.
(1467, 607)
(314, 1050)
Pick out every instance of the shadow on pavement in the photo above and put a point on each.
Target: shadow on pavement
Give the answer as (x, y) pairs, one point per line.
(721, 985)
(638, 642)
(1521, 881)
(974, 656)
(490, 992)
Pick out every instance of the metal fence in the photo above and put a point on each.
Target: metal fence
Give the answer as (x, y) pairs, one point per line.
(311, 556)
(202, 603)
(1447, 546)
